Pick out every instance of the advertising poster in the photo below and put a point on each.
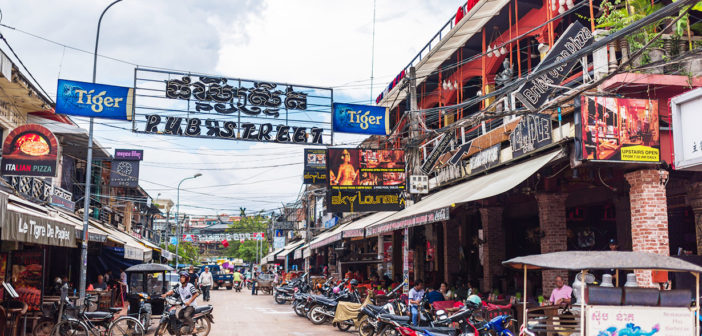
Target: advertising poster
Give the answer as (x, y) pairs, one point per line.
(366, 180)
(315, 166)
(30, 150)
(619, 129)
(94, 100)
(633, 320)
(361, 119)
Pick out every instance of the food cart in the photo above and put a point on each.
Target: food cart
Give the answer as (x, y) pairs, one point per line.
(610, 311)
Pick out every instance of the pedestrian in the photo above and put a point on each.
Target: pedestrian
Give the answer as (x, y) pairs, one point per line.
(415, 297)
(188, 293)
(193, 276)
(123, 282)
(107, 277)
(206, 283)
(253, 283)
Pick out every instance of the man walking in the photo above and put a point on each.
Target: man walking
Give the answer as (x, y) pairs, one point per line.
(193, 276)
(206, 283)
(415, 297)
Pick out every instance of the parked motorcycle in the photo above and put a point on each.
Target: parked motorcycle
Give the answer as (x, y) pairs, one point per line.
(324, 308)
(368, 317)
(170, 324)
(284, 293)
(499, 325)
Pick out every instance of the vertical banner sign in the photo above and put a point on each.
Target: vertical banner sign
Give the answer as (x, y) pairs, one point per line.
(365, 180)
(436, 153)
(94, 100)
(30, 150)
(213, 107)
(361, 119)
(125, 168)
(315, 166)
(618, 129)
(532, 133)
(405, 261)
(535, 92)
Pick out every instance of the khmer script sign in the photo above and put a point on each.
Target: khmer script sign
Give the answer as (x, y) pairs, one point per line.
(205, 106)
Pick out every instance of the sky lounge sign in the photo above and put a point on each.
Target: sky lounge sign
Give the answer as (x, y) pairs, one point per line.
(535, 92)
(214, 107)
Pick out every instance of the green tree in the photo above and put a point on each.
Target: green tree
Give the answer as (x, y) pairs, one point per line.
(187, 252)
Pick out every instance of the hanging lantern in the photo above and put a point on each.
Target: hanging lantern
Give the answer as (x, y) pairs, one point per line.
(503, 50)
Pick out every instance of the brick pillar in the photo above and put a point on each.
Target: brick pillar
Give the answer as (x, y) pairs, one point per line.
(649, 216)
(494, 246)
(694, 198)
(552, 220)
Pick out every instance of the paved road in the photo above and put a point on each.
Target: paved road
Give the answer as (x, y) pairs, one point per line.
(245, 314)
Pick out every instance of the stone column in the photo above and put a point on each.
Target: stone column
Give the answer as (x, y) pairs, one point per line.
(552, 220)
(649, 216)
(494, 245)
(694, 198)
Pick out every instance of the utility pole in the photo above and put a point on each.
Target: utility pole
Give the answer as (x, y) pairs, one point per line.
(415, 166)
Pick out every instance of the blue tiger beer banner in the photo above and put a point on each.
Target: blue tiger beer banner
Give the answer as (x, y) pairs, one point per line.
(361, 119)
(94, 100)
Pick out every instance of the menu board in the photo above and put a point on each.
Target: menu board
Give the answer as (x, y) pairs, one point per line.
(26, 277)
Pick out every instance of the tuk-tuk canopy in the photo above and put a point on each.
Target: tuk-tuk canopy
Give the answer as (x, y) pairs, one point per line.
(590, 260)
(149, 268)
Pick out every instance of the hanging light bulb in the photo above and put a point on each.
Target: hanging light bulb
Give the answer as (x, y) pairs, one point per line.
(503, 50)
(561, 10)
(553, 6)
(570, 4)
(489, 51)
(455, 85)
(444, 86)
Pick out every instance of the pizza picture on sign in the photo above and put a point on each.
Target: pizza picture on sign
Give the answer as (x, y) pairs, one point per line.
(32, 144)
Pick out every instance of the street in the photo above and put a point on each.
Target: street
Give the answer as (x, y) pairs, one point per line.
(244, 314)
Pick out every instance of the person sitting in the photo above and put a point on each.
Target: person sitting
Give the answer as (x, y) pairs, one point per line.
(100, 284)
(434, 295)
(561, 295)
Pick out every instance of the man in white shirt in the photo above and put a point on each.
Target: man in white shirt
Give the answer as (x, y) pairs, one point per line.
(206, 283)
(415, 297)
(188, 293)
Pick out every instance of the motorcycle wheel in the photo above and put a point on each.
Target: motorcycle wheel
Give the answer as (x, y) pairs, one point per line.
(279, 298)
(365, 328)
(126, 325)
(388, 330)
(299, 310)
(343, 326)
(248, 286)
(162, 329)
(43, 327)
(145, 320)
(202, 326)
(317, 316)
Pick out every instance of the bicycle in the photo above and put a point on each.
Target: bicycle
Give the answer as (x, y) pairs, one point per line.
(87, 323)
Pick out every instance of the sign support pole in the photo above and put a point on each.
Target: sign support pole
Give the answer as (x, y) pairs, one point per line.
(88, 176)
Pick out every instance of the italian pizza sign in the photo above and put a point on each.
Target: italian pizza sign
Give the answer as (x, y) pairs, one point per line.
(30, 150)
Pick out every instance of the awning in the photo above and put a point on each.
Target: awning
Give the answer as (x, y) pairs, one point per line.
(271, 256)
(299, 253)
(327, 237)
(289, 249)
(133, 249)
(168, 255)
(148, 244)
(27, 225)
(357, 228)
(94, 234)
(436, 207)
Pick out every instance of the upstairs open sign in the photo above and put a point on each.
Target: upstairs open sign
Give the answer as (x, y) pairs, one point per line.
(205, 106)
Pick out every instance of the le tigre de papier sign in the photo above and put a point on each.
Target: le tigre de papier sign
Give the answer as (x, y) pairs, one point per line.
(214, 107)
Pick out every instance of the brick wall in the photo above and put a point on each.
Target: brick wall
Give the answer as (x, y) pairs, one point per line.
(494, 247)
(649, 216)
(552, 220)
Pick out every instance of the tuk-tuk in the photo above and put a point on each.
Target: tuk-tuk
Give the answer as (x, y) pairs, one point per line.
(610, 310)
(147, 282)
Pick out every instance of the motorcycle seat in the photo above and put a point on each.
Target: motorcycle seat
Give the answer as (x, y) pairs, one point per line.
(326, 301)
(202, 309)
(395, 317)
(374, 308)
(98, 315)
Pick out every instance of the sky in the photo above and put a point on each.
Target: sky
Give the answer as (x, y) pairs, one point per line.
(312, 42)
